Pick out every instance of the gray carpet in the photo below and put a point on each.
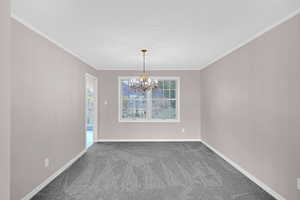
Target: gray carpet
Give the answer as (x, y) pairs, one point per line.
(151, 171)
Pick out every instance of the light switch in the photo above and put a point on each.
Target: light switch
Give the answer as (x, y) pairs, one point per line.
(46, 162)
(105, 102)
(298, 183)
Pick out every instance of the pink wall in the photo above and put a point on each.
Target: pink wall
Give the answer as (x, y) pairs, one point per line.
(48, 100)
(110, 128)
(250, 107)
(4, 99)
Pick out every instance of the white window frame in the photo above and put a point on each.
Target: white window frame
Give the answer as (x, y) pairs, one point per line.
(177, 79)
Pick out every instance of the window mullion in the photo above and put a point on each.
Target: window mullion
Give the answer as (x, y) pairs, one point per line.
(149, 105)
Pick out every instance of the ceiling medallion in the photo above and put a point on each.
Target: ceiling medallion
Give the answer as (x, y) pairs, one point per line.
(143, 83)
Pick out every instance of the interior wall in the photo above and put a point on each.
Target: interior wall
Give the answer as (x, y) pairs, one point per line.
(48, 91)
(4, 99)
(111, 129)
(251, 107)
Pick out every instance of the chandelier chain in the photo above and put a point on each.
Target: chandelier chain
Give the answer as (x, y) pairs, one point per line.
(144, 60)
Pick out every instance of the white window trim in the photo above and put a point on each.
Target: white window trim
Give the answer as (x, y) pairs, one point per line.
(151, 120)
(96, 128)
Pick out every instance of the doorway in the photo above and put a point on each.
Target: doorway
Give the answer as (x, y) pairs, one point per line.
(91, 116)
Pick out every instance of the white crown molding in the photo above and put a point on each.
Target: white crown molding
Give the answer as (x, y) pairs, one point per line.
(217, 58)
(247, 174)
(53, 176)
(152, 68)
(149, 140)
(257, 35)
(30, 27)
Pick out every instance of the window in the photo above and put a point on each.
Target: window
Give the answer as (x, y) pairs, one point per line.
(160, 105)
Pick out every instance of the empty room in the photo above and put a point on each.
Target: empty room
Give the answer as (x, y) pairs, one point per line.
(149, 100)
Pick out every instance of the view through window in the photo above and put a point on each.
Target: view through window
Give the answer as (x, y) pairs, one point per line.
(160, 105)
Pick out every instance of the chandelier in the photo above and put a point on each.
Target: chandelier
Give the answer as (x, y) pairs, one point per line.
(143, 83)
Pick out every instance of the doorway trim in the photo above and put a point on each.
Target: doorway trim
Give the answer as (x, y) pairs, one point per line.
(95, 135)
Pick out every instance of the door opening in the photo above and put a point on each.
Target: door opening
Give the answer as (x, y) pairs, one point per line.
(91, 121)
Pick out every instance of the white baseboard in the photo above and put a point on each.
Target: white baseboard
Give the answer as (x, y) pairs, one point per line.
(53, 176)
(149, 140)
(247, 174)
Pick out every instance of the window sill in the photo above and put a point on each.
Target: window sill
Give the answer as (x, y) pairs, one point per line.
(149, 121)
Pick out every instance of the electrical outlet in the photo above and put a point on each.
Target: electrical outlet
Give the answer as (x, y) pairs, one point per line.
(46, 162)
(182, 130)
(298, 183)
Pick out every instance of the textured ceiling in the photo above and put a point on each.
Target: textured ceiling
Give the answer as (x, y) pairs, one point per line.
(182, 34)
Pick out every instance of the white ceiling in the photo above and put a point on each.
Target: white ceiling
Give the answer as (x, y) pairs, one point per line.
(185, 34)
